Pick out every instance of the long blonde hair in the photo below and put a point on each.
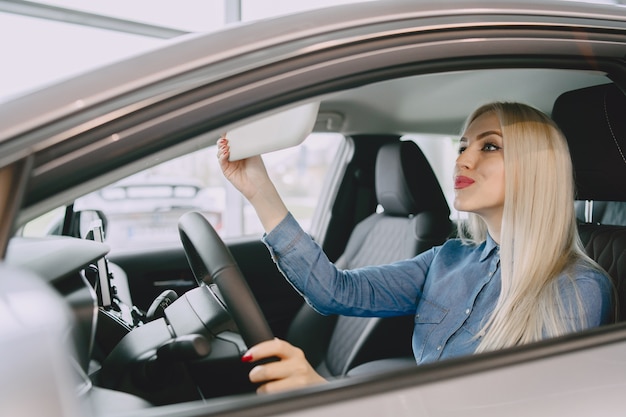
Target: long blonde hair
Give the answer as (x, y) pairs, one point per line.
(539, 236)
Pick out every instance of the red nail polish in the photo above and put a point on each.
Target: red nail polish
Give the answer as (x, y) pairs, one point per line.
(246, 358)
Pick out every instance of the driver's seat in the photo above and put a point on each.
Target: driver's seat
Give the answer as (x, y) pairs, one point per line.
(415, 217)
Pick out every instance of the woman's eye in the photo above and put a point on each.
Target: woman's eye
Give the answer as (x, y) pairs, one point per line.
(490, 147)
(461, 149)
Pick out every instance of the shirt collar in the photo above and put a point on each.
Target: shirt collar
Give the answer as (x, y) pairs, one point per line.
(490, 247)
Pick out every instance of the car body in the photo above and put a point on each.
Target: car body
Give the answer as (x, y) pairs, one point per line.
(378, 70)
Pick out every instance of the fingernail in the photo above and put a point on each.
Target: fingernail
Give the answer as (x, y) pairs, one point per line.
(246, 358)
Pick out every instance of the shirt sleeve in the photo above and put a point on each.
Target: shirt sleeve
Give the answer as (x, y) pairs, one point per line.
(593, 292)
(385, 290)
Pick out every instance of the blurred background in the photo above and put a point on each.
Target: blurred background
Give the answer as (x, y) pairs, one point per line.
(44, 41)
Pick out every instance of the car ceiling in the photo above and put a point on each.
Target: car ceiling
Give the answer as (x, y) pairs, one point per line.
(439, 103)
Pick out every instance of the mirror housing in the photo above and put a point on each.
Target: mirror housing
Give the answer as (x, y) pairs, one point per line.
(79, 224)
(86, 219)
(287, 128)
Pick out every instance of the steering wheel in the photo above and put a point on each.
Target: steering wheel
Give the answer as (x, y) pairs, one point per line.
(212, 263)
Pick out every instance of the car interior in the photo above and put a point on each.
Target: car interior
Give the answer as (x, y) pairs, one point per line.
(414, 218)
(590, 119)
(389, 206)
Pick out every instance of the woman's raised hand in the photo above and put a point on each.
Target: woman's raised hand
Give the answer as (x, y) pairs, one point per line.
(290, 372)
(249, 176)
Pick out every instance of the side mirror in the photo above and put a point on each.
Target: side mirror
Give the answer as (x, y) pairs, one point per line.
(80, 224)
(58, 224)
(82, 221)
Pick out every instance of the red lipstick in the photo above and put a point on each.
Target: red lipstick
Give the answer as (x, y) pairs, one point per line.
(462, 182)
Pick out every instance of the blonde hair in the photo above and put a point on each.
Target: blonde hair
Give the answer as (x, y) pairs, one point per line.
(539, 236)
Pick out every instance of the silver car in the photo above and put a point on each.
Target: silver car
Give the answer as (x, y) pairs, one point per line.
(87, 330)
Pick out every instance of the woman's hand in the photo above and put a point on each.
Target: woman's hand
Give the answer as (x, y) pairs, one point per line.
(249, 176)
(290, 372)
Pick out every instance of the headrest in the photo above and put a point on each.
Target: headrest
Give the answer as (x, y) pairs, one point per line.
(593, 120)
(405, 182)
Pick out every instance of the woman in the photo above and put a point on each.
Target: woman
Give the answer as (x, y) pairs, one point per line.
(517, 274)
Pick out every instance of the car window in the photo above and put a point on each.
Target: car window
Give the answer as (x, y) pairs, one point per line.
(48, 224)
(143, 209)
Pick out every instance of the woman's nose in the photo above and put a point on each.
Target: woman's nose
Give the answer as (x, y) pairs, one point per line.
(465, 159)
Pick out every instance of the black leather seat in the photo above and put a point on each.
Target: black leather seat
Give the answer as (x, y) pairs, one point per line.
(594, 122)
(603, 212)
(607, 245)
(415, 217)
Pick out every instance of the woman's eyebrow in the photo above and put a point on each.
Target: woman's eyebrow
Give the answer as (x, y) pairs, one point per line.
(483, 135)
(489, 133)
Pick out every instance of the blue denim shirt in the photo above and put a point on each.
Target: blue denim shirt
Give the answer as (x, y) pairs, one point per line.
(451, 289)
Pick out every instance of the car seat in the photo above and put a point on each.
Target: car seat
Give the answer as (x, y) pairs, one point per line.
(593, 120)
(415, 216)
(603, 212)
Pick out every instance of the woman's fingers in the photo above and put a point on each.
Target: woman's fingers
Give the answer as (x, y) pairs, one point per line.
(270, 348)
(273, 371)
(292, 362)
(233, 171)
(290, 372)
(223, 150)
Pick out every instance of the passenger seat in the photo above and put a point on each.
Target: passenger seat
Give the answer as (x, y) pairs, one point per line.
(593, 120)
(602, 212)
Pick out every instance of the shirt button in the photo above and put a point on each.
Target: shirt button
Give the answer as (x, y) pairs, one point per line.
(467, 311)
(439, 347)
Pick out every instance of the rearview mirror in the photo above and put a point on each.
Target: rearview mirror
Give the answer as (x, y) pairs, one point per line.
(278, 131)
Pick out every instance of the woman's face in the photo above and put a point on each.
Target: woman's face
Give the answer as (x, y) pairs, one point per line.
(479, 170)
